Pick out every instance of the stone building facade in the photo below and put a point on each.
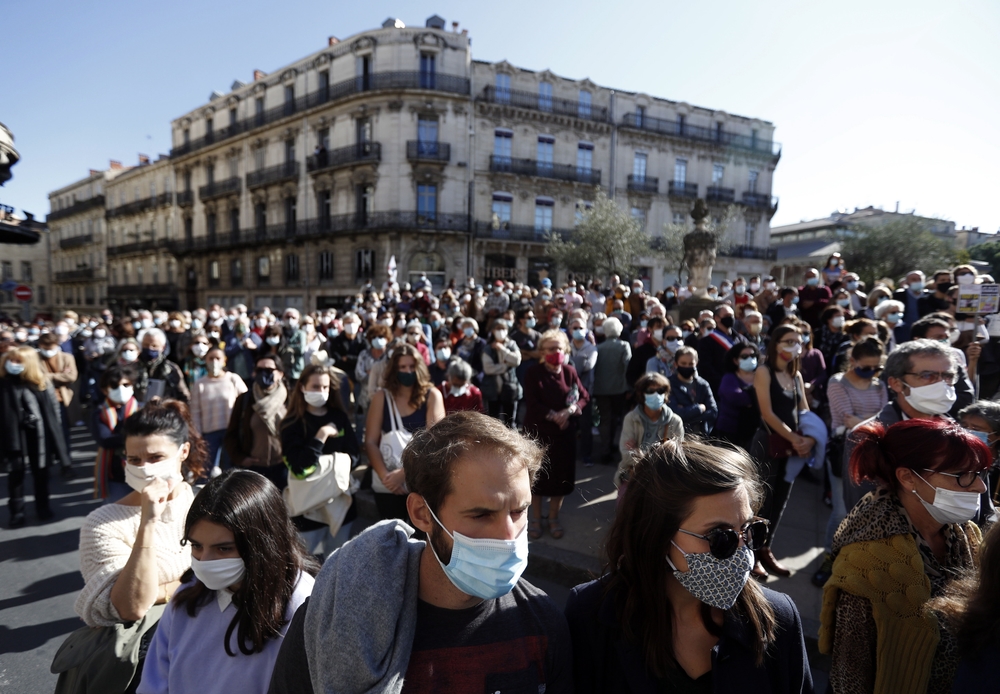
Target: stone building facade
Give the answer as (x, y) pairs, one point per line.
(297, 187)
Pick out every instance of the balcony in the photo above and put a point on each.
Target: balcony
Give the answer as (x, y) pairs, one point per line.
(134, 207)
(185, 198)
(219, 189)
(360, 153)
(532, 167)
(712, 136)
(141, 291)
(538, 102)
(505, 231)
(76, 241)
(379, 81)
(643, 184)
(135, 247)
(718, 194)
(345, 224)
(86, 273)
(163, 200)
(750, 252)
(77, 207)
(437, 152)
(679, 189)
(760, 201)
(288, 171)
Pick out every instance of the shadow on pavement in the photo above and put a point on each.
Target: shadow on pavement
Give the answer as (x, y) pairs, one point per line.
(30, 637)
(45, 588)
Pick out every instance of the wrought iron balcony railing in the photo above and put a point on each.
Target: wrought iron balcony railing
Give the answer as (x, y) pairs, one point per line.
(643, 184)
(533, 167)
(273, 174)
(760, 201)
(76, 207)
(752, 252)
(86, 273)
(76, 241)
(675, 128)
(142, 291)
(136, 247)
(362, 152)
(679, 189)
(185, 198)
(218, 189)
(420, 150)
(718, 194)
(545, 102)
(519, 232)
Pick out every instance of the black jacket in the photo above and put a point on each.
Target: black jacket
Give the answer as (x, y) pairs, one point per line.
(604, 662)
(30, 423)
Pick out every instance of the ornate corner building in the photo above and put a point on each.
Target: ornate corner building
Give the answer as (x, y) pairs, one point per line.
(294, 189)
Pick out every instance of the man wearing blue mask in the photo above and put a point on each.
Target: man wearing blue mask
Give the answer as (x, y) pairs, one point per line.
(448, 615)
(910, 295)
(814, 296)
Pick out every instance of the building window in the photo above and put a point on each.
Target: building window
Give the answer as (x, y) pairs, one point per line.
(426, 204)
(502, 203)
(546, 150)
(639, 167)
(717, 171)
(718, 132)
(324, 86)
(503, 141)
(41, 294)
(364, 264)
(140, 272)
(323, 138)
(291, 267)
(114, 276)
(639, 215)
(170, 272)
(258, 110)
(211, 227)
(26, 274)
(543, 215)
(584, 158)
(234, 166)
(427, 136)
(503, 88)
(363, 69)
(213, 273)
(290, 215)
(289, 99)
(260, 217)
(640, 116)
(544, 96)
(366, 203)
(583, 105)
(752, 182)
(680, 172)
(679, 218)
(156, 272)
(427, 71)
(324, 266)
(259, 158)
(750, 234)
(582, 207)
(232, 120)
(234, 221)
(188, 229)
(681, 120)
(187, 136)
(289, 151)
(236, 272)
(363, 130)
(263, 270)
(152, 190)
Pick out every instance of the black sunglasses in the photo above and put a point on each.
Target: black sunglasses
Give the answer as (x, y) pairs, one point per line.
(658, 391)
(723, 542)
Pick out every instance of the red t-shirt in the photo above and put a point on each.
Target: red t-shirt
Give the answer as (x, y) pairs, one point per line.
(471, 401)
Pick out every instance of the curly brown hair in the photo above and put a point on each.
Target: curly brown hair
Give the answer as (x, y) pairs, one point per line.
(390, 382)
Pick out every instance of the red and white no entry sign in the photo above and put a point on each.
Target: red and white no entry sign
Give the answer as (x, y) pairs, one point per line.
(23, 293)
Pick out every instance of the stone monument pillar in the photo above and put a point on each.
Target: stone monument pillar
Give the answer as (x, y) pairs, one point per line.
(700, 247)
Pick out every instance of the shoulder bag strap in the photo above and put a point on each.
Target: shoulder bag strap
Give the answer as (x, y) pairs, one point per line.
(395, 420)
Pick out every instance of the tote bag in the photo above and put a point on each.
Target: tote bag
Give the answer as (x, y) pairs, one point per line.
(324, 495)
(392, 444)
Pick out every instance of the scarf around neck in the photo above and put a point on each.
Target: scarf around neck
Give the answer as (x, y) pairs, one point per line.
(270, 407)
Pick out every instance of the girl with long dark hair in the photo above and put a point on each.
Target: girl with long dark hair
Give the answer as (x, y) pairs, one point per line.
(675, 611)
(249, 573)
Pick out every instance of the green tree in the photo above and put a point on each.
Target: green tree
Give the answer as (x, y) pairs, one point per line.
(989, 252)
(607, 241)
(893, 249)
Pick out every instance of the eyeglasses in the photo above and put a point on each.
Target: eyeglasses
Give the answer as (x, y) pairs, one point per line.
(658, 391)
(929, 377)
(790, 343)
(723, 542)
(965, 479)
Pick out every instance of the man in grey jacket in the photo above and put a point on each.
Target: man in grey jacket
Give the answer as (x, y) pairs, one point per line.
(611, 385)
(448, 615)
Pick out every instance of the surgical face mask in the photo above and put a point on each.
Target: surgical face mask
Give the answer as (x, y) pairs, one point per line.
(748, 364)
(379, 343)
(214, 336)
(843, 303)
(642, 323)
(100, 334)
(292, 322)
(316, 398)
(469, 332)
(916, 287)
(966, 279)
(49, 353)
(669, 295)
(936, 398)
(175, 324)
(716, 582)
(981, 435)
(21, 337)
(530, 323)
(837, 321)
(196, 324)
(213, 314)
(129, 356)
(685, 334)
(121, 394)
(141, 476)
(332, 332)
(953, 335)
(14, 369)
(673, 345)
(443, 354)
(950, 506)
(654, 401)
(892, 318)
(458, 391)
(713, 296)
(755, 286)
(658, 334)
(812, 281)
(579, 333)
(412, 338)
(486, 569)
(793, 352)
(727, 322)
(500, 335)
(351, 329)
(215, 368)
(35, 332)
(273, 340)
(771, 286)
(62, 331)
(199, 349)
(219, 573)
(795, 300)
(739, 289)
(852, 286)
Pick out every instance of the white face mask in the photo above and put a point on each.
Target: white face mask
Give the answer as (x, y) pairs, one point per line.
(219, 573)
(121, 394)
(966, 279)
(49, 353)
(129, 355)
(141, 476)
(316, 398)
(950, 506)
(937, 398)
(793, 352)
(99, 334)
(199, 349)
(175, 324)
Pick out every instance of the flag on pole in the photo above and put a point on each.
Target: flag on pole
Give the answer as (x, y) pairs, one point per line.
(391, 268)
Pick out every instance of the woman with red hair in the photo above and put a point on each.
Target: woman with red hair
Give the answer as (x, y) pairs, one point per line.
(898, 548)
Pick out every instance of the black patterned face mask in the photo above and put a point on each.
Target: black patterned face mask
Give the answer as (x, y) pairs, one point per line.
(716, 582)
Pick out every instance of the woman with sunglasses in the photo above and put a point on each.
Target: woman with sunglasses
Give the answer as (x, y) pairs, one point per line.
(738, 418)
(675, 611)
(899, 547)
(854, 396)
(650, 422)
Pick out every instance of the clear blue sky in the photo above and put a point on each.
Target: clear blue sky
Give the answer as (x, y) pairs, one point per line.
(874, 102)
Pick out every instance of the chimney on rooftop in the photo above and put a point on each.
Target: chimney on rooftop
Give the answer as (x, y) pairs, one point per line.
(454, 27)
(897, 207)
(143, 159)
(465, 32)
(115, 165)
(259, 75)
(332, 41)
(94, 172)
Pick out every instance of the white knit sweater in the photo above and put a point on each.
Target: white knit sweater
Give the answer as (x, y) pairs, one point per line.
(106, 541)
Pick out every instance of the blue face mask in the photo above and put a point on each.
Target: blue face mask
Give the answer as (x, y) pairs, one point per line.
(981, 435)
(435, 324)
(469, 332)
(642, 324)
(150, 354)
(579, 333)
(670, 295)
(812, 281)
(795, 300)
(486, 569)
(530, 323)
(866, 372)
(654, 401)
(748, 364)
(443, 354)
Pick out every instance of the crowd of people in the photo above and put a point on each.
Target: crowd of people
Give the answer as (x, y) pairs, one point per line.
(470, 409)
